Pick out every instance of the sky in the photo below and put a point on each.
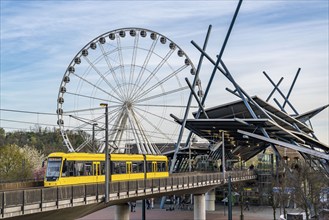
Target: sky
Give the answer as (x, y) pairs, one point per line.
(40, 38)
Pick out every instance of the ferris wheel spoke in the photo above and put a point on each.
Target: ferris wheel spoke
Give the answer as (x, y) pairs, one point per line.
(154, 126)
(153, 73)
(145, 64)
(145, 140)
(164, 106)
(113, 114)
(110, 67)
(80, 127)
(173, 74)
(91, 97)
(158, 135)
(66, 113)
(139, 145)
(122, 69)
(162, 94)
(158, 116)
(96, 87)
(103, 77)
(151, 134)
(133, 64)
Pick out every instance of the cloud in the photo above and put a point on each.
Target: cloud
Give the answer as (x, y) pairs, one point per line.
(40, 38)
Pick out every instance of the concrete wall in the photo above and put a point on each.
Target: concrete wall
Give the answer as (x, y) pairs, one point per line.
(18, 185)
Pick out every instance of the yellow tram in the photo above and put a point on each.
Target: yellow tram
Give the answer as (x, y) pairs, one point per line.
(77, 168)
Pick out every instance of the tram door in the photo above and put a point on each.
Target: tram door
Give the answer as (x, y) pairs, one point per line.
(151, 169)
(128, 169)
(96, 171)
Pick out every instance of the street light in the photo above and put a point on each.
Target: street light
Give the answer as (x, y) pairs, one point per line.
(93, 140)
(107, 164)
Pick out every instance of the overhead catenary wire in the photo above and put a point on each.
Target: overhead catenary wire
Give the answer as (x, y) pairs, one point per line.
(27, 112)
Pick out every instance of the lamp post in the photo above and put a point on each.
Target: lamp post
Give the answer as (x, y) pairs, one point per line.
(107, 162)
(93, 140)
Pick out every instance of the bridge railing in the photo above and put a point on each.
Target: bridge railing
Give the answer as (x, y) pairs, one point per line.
(20, 202)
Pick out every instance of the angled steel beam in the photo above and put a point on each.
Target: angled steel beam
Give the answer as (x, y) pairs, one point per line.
(233, 92)
(280, 92)
(278, 104)
(214, 70)
(318, 161)
(219, 57)
(241, 121)
(275, 87)
(280, 119)
(196, 77)
(288, 145)
(251, 111)
(240, 91)
(292, 86)
(308, 115)
(230, 78)
(196, 97)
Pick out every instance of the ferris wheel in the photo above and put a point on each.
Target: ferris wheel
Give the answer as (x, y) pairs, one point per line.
(137, 74)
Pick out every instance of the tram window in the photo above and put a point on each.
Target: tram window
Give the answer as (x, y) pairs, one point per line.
(149, 167)
(141, 166)
(137, 167)
(134, 167)
(102, 168)
(68, 168)
(88, 169)
(53, 167)
(79, 168)
(119, 167)
(164, 166)
(161, 167)
(65, 168)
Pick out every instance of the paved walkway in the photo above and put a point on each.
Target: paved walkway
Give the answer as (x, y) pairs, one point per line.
(255, 213)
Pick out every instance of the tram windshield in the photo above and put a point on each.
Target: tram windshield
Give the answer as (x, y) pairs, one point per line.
(53, 167)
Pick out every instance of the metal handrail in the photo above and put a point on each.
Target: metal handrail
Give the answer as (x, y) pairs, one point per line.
(118, 190)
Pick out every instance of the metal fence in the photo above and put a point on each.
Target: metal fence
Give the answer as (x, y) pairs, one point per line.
(132, 189)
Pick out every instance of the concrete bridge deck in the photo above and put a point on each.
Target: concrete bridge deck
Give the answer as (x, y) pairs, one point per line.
(90, 197)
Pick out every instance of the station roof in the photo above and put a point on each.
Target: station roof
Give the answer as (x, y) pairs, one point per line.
(234, 117)
(308, 115)
(238, 109)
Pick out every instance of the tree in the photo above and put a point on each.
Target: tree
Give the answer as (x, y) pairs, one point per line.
(2, 137)
(13, 164)
(238, 186)
(35, 158)
(308, 182)
(281, 188)
(274, 197)
(302, 183)
(18, 163)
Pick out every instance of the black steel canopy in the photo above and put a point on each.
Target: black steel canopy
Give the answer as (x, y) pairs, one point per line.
(233, 117)
(238, 109)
